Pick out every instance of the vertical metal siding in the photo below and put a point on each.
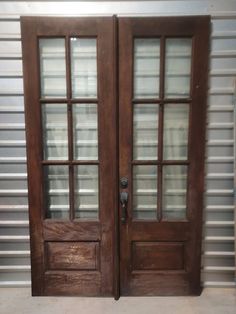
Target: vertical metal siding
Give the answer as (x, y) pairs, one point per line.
(218, 233)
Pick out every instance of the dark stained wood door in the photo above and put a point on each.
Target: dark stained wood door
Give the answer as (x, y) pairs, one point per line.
(163, 66)
(70, 107)
(79, 174)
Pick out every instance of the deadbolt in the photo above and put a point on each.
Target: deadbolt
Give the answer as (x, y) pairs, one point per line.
(124, 183)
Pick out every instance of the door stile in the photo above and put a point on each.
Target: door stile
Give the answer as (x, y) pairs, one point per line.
(160, 127)
(107, 153)
(125, 140)
(33, 136)
(70, 126)
(116, 262)
(197, 146)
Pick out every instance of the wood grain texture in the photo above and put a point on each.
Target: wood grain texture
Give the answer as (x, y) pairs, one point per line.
(71, 230)
(160, 231)
(125, 140)
(34, 151)
(189, 231)
(42, 230)
(157, 256)
(72, 283)
(199, 87)
(161, 283)
(116, 258)
(72, 255)
(107, 115)
(115, 152)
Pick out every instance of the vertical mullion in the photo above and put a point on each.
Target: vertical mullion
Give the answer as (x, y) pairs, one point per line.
(162, 68)
(70, 127)
(160, 128)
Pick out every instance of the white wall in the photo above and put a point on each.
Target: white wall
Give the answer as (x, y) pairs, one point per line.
(218, 236)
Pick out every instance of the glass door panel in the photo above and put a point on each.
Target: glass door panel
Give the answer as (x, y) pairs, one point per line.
(145, 131)
(175, 137)
(85, 131)
(84, 67)
(146, 67)
(55, 131)
(56, 191)
(76, 141)
(174, 192)
(86, 192)
(52, 67)
(158, 120)
(178, 67)
(144, 192)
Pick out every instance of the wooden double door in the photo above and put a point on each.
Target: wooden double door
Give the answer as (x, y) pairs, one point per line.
(115, 127)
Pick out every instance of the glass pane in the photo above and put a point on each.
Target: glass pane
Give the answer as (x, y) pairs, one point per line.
(145, 131)
(175, 143)
(84, 67)
(145, 192)
(86, 192)
(85, 131)
(174, 192)
(56, 190)
(146, 67)
(55, 137)
(52, 67)
(178, 67)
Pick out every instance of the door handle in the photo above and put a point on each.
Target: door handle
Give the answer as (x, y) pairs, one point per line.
(124, 201)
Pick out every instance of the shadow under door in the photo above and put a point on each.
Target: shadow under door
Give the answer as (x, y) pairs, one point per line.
(115, 127)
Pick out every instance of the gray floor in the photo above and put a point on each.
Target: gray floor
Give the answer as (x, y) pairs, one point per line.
(212, 301)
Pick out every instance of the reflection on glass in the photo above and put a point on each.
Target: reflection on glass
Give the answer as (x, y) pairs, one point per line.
(56, 191)
(85, 131)
(178, 67)
(174, 192)
(146, 67)
(86, 192)
(175, 143)
(145, 131)
(145, 192)
(52, 67)
(55, 136)
(84, 67)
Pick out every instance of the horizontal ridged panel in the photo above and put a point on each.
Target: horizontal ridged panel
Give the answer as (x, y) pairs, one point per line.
(218, 236)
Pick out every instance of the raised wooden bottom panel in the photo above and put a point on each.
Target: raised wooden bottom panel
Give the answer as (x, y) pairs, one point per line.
(72, 255)
(158, 255)
(84, 283)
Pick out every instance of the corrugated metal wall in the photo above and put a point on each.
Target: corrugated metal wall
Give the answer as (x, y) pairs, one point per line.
(218, 237)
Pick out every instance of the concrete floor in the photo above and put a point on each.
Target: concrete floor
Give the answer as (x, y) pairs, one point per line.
(212, 301)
